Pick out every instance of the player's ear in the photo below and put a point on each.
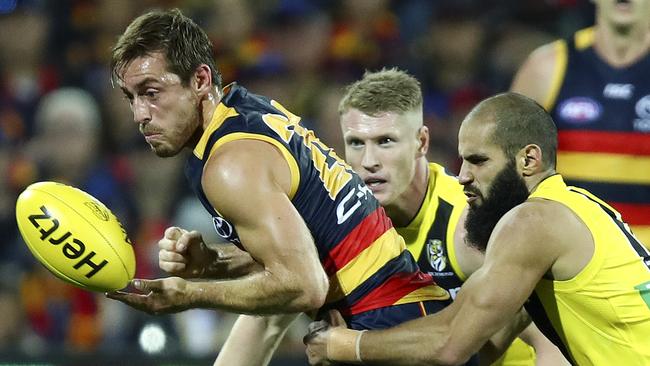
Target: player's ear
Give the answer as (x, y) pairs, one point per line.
(202, 79)
(529, 160)
(423, 141)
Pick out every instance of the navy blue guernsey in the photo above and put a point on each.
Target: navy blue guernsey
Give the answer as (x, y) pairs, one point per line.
(361, 252)
(603, 118)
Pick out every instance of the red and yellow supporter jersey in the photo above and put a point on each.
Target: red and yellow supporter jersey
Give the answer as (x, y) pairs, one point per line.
(603, 119)
(364, 257)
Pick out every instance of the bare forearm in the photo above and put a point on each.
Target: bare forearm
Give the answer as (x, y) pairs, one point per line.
(405, 345)
(547, 353)
(261, 293)
(253, 339)
(231, 262)
(449, 337)
(499, 342)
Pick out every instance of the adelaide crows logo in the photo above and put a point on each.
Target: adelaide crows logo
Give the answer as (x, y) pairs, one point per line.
(436, 255)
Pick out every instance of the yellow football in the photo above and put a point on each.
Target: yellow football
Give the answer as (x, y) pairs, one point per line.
(75, 236)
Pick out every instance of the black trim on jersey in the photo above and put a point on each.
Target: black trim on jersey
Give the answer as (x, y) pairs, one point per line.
(638, 247)
(441, 221)
(438, 231)
(615, 192)
(539, 315)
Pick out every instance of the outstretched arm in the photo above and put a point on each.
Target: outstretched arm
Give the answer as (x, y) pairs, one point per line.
(248, 182)
(546, 353)
(520, 252)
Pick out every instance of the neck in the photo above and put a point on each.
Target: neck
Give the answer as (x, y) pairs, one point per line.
(622, 46)
(209, 105)
(407, 205)
(533, 181)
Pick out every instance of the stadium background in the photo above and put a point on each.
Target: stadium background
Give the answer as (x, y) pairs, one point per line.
(300, 52)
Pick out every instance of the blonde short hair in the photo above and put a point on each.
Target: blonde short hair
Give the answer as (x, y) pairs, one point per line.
(387, 90)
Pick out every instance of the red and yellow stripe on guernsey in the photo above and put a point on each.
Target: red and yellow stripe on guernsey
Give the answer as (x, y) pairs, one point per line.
(364, 252)
(620, 159)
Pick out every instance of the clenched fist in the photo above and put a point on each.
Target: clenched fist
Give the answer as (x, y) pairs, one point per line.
(183, 253)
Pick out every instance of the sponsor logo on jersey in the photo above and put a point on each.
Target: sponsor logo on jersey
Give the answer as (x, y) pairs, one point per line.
(436, 255)
(642, 108)
(618, 91)
(224, 229)
(580, 110)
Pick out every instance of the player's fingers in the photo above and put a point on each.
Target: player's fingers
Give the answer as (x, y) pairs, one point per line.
(137, 301)
(147, 286)
(167, 244)
(174, 232)
(313, 329)
(336, 319)
(169, 256)
(172, 268)
(185, 240)
(128, 298)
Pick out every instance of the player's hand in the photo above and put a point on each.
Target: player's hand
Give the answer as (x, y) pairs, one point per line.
(318, 336)
(183, 253)
(159, 296)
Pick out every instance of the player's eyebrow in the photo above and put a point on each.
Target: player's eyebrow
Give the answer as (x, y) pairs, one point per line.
(474, 157)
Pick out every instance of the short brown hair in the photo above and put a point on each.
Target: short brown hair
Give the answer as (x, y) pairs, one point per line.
(184, 44)
(387, 90)
(519, 121)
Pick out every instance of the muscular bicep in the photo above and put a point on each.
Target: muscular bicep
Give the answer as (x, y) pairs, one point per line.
(516, 259)
(247, 182)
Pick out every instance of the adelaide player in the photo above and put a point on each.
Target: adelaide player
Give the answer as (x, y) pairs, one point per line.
(314, 236)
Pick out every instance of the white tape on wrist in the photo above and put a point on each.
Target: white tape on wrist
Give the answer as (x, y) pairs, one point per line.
(357, 346)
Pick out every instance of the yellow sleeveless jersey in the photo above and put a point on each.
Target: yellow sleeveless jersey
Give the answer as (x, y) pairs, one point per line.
(430, 237)
(602, 315)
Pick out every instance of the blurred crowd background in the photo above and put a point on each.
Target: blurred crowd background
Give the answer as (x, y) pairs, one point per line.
(60, 119)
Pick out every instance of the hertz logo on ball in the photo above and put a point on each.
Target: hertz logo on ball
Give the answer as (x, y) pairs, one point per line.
(75, 236)
(73, 247)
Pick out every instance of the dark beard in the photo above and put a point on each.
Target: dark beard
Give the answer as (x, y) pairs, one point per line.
(507, 191)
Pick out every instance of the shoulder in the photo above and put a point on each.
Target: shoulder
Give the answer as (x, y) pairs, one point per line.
(533, 231)
(536, 76)
(533, 218)
(243, 165)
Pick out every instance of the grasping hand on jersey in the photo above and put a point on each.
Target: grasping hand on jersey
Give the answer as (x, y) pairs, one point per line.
(184, 253)
(319, 334)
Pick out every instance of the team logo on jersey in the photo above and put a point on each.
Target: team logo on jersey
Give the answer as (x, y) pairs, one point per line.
(642, 108)
(436, 255)
(580, 110)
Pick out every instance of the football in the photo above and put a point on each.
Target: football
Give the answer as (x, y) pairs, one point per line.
(75, 236)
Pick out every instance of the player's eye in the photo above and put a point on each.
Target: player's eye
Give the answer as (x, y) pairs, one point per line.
(386, 141)
(355, 143)
(151, 93)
